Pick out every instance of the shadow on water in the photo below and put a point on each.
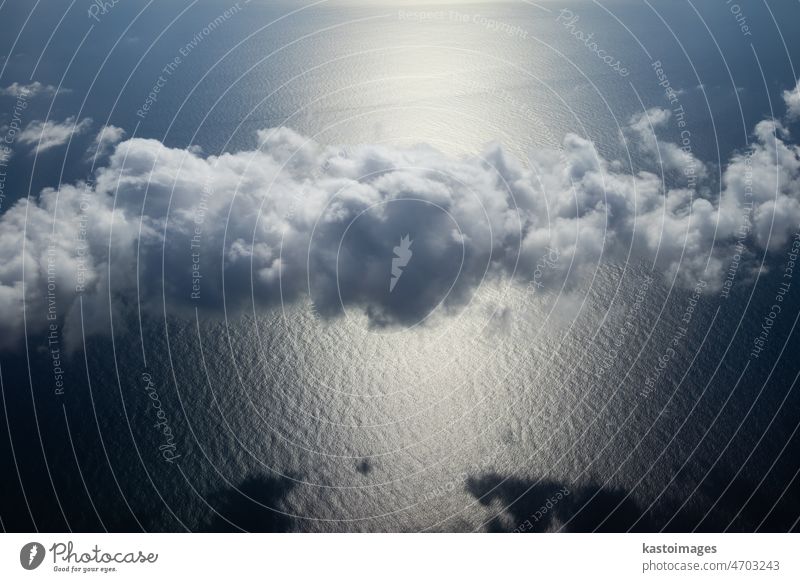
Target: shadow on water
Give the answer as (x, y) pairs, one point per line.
(729, 503)
(722, 502)
(253, 506)
(531, 506)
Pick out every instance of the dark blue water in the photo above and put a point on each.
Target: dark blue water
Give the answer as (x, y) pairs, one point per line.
(285, 421)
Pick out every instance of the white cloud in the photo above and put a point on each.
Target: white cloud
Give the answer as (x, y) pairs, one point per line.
(294, 219)
(50, 134)
(30, 90)
(104, 141)
(792, 99)
(669, 156)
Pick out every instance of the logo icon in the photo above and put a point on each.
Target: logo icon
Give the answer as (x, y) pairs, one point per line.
(31, 555)
(402, 257)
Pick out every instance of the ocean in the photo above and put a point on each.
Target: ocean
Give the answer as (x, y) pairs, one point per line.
(627, 402)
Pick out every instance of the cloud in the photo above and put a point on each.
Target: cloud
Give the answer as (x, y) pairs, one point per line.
(50, 134)
(30, 90)
(669, 156)
(104, 141)
(295, 220)
(792, 99)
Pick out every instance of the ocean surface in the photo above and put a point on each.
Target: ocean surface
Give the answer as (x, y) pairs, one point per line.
(284, 420)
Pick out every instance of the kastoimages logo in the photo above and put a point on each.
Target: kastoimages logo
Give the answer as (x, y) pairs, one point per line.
(402, 257)
(31, 555)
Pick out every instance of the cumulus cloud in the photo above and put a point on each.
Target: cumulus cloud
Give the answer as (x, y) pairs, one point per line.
(643, 133)
(293, 220)
(792, 99)
(30, 90)
(45, 135)
(104, 141)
